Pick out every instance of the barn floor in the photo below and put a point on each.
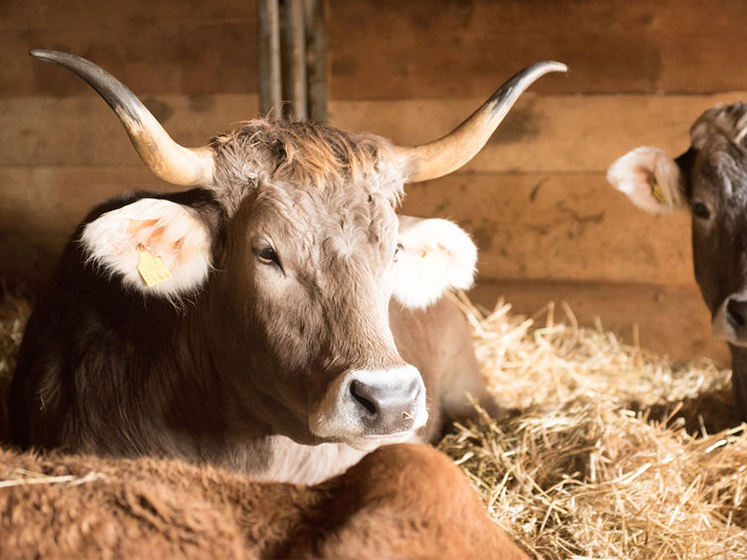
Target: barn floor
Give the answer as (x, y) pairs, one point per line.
(605, 450)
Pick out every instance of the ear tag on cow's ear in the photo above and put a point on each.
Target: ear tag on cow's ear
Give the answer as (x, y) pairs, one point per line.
(151, 267)
(432, 265)
(657, 192)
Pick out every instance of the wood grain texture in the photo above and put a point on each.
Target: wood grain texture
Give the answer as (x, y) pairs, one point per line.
(388, 49)
(560, 133)
(543, 133)
(155, 47)
(81, 130)
(454, 48)
(559, 227)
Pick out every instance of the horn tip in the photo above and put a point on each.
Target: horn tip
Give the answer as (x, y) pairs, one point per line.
(553, 66)
(44, 54)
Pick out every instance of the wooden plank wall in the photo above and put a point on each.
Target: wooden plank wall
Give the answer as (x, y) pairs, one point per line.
(535, 199)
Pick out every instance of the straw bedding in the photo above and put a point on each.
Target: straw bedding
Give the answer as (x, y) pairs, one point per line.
(605, 450)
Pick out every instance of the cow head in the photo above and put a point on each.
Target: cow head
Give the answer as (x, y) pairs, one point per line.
(709, 179)
(291, 266)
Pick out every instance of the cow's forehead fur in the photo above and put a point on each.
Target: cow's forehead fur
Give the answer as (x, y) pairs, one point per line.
(719, 138)
(723, 123)
(318, 159)
(326, 225)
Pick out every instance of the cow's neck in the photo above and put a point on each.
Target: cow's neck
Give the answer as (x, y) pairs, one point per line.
(306, 464)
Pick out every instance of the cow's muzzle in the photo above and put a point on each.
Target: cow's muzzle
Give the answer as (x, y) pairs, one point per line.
(730, 321)
(367, 407)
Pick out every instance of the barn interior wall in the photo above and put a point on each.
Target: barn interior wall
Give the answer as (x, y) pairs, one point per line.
(547, 225)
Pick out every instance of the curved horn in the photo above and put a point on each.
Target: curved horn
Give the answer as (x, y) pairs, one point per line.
(451, 152)
(167, 159)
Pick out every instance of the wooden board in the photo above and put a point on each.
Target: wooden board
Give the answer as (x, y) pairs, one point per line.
(388, 49)
(155, 47)
(456, 48)
(81, 130)
(542, 134)
(559, 227)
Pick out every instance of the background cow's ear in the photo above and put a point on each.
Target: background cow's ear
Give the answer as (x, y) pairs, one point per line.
(155, 246)
(650, 178)
(435, 255)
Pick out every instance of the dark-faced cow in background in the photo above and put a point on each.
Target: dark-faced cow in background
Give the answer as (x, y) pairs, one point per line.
(247, 322)
(710, 179)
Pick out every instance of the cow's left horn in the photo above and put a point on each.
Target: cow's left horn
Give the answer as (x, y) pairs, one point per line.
(451, 152)
(167, 159)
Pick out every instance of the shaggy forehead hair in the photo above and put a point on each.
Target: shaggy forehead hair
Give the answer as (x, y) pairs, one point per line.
(725, 122)
(718, 138)
(313, 157)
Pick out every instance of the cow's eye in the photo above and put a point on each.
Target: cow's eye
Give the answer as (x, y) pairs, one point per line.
(267, 255)
(700, 210)
(397, 249)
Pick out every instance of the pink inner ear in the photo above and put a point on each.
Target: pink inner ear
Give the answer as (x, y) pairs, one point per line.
(134, 227)
(645, 175)
(439, 247)
(158, 241)
(152, 239)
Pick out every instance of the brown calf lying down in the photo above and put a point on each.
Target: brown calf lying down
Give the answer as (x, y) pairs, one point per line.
(401, 501)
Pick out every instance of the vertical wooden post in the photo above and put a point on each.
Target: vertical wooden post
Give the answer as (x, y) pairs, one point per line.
(270, 87)
(316, 34)
(295, 61)
(293, 58)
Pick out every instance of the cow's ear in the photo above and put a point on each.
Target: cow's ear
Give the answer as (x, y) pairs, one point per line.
(650, 178)
(155, 246)
(434, 255)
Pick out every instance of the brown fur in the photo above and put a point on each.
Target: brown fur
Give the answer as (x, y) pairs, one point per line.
(446, 359)
(401, 501)
(302, 154)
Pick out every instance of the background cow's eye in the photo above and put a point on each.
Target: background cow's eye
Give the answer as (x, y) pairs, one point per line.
(700, 210)
(267, 255)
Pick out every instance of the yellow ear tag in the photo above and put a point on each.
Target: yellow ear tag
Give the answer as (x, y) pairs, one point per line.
(432, 265)
(657, 191)
(151, 267)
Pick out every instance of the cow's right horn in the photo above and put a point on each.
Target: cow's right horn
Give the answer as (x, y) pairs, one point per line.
(167, 159)
(439, 158)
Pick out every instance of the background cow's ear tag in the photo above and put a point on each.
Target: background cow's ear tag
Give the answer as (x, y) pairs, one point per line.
(657, 192)
(151, 267)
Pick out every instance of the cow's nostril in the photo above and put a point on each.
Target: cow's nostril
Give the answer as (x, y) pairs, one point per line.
(361, 394)
(736, 312)
(385, 402)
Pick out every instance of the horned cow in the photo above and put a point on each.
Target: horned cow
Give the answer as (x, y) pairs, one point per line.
(709, 180)
(278, 318)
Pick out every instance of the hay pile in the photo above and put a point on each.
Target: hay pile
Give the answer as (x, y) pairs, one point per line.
(606, 450)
